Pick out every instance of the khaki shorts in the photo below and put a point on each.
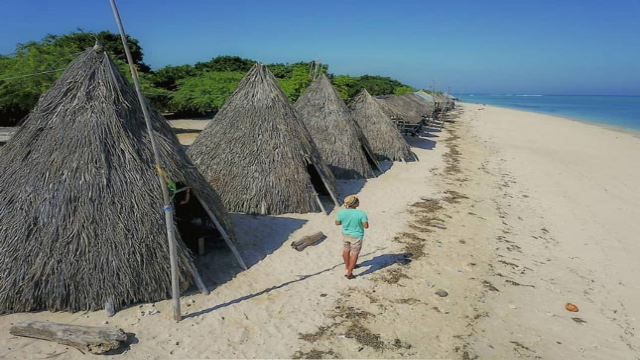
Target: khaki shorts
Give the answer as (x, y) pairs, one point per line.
(352, 244)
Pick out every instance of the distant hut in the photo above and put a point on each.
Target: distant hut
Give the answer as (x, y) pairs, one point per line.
(259, 155)
(339, 138)
(426, 96)
(400, 108)
(81, 213)
(422, 106)
(383, 136)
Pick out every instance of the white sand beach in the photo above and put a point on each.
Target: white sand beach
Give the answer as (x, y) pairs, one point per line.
(513, 214)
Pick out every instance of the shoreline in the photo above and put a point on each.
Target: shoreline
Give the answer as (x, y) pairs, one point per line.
(567, 200)
(631, 131)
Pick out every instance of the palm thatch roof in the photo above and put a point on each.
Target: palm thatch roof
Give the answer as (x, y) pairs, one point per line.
(258, 153)
(421, 104)
(397, 107)
(428, 97)
(81, 214)
(383, 136)
(339, 138)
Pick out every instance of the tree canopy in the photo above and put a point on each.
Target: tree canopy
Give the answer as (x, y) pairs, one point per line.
(34, 67)
(198, 88)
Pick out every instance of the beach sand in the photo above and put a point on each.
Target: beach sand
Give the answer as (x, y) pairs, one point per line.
(513, 214)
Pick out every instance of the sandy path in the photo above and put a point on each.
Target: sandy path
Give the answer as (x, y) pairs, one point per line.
(298, 304)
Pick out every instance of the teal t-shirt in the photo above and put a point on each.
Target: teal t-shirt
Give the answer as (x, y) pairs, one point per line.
(352, 220)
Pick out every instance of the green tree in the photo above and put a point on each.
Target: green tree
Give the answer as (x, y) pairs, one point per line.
(36, 65)
(404, 89)
(226, 64)
(346, 86)
(206, 92)
(167, 77)
(295, 78)
(297, 83)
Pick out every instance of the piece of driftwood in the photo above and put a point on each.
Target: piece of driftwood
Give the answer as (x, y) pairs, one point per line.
(307, 241)
(93, 339)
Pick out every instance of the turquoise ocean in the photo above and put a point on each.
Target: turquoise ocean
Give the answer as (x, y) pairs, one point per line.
(617, 111)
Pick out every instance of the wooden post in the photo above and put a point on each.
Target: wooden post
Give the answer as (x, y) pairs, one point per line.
(326, 184)
(168, 208)
(224, 234)
(92, 339)
(199, 283)
(320, 202)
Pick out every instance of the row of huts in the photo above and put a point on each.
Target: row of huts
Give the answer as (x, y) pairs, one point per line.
(81, 218)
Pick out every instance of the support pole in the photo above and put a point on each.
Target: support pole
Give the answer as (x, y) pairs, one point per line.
(320, 203)
(223, 232)
(168, 208)
(326, 184)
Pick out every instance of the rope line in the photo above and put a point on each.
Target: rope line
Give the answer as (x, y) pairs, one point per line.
(34, 74)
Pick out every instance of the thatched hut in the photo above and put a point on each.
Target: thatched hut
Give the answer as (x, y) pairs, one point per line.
(258, 153)
(339, 138)
(384, 138)
(399, 108)
(421, 105)
(81, 213)
(426, 96)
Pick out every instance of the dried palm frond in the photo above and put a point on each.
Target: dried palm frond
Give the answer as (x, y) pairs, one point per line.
(258, 154)
(81, 213)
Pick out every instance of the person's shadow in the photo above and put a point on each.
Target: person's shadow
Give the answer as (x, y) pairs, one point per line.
(383, 261)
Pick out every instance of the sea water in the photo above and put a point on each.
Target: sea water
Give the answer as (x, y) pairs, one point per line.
(617, 111)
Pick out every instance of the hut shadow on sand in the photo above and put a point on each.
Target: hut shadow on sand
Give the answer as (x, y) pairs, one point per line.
(348, 187)
(427, 130)
(421, 142)
(217, 265)
(300, 278)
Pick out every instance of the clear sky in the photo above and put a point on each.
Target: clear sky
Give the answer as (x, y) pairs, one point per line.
(469, 46)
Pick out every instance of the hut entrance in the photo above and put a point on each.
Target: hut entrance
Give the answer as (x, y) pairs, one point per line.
(371, 160)
(316, 181)
(192, 221)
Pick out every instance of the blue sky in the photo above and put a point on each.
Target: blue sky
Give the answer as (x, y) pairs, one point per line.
(541, 47)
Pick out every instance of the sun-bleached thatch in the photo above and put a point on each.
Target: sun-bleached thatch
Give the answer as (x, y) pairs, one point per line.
(384, 138)
(258, 153)
(339, 138)
(400, 108)
(426, 96)
(81, 212)
(420, 104)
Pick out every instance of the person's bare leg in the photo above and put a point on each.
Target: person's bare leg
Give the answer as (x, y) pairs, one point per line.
(353, 260)
(345, 257)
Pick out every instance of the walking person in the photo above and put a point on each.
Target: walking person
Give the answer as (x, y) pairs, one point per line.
(353, 223)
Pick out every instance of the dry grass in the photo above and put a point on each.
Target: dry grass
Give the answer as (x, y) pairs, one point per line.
(404, 107)
(257, 152)
(338, 137)
(385, 140)
(316, 354)
(81, 219)
(413, 244)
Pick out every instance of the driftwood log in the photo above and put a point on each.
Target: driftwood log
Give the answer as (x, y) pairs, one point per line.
(93, 339)
(307, 241)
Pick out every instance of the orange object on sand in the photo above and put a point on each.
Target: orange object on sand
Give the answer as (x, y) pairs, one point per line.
(571, 307)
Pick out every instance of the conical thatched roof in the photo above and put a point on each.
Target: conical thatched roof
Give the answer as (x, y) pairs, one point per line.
(425, 96)
(81, 212)
(259, 154)
(398, 107)
(383, 136)
(420, 104)
(339, 138)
